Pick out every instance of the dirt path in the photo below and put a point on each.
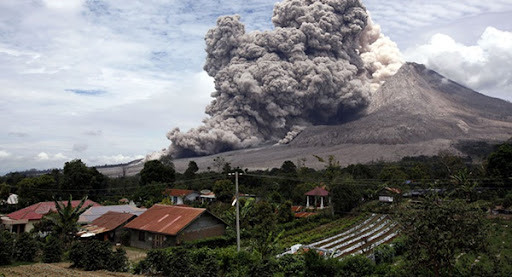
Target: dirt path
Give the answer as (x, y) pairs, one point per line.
(50, 270)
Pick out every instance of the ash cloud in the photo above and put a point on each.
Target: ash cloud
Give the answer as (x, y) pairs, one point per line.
(317, 66)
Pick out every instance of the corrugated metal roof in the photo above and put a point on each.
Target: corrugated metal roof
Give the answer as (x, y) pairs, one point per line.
(94, 212)
(178, 192)
(165, 219)
(304, 214)
(38, 210)
(318, 191)
(107, 222)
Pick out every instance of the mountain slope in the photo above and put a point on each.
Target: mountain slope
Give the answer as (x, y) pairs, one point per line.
(414, 105)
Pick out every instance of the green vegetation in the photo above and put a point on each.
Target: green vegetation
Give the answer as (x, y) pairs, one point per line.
(447, 234)
(97, 255)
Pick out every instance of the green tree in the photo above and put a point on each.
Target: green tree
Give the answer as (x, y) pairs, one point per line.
(499, 163)
(345, 196)
(190, 172)
(437, 230)
(285, 213)
(393, 174)
(53, 249)
(5, 191)
(26, 248)
(6, 247)
(156, 171)
(224, 190)
(66, 218)
(355, 266)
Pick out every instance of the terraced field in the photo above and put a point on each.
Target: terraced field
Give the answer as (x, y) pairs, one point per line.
(372, 232)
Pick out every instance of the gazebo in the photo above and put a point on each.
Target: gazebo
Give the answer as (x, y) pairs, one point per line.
(317, 192)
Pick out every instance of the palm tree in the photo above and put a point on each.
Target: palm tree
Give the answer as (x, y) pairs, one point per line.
(67, 217)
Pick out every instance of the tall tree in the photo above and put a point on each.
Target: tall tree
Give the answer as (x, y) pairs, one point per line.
(499, 163)
(437, 230)
(67, 217)
(190, 173)
(156, 171)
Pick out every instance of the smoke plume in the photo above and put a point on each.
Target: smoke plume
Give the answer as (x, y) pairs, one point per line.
(317, 66)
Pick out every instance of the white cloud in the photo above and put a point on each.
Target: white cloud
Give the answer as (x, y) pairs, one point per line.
(484, 66)
(4, 154)
(60, 156)
(42, 156)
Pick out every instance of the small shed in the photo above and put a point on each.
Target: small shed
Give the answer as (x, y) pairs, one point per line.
(317, 193)
(389, 195)
(170, 225)
(107, 227)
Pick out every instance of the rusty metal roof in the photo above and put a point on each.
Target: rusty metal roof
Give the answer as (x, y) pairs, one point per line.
(165, 219)
(107, 222)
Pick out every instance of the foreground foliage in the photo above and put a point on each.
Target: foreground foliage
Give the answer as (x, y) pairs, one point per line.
(97, 255)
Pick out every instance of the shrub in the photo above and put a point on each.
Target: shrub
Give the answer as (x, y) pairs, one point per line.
(357, 266)
(118, 261)
(6, 245)
(26, 248)
(52, 250)
(96, 255)
(384, 254)
(291, 265)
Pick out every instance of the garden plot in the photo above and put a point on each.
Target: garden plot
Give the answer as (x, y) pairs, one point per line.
(372, 232)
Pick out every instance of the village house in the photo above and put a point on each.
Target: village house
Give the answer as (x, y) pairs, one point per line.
(166, 225)
(179, 196)
(107, 227)
(94, 212)
(23, 220)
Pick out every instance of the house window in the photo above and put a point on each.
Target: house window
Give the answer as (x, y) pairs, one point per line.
(142, 236)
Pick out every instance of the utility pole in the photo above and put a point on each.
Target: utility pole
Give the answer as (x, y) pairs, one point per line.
(237, 214)
(237, 211)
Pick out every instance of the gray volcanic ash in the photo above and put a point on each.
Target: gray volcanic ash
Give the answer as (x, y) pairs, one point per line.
(318, 66)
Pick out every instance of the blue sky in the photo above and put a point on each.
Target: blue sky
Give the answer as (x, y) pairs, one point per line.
(105, 80)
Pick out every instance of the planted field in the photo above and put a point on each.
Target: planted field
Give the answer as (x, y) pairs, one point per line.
(372, 232)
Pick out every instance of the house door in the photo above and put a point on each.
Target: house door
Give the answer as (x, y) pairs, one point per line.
(158, 241)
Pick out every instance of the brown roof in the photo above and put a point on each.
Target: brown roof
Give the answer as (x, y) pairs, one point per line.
(178, 192)
(107, 222)
(318, 191)
(165, 219)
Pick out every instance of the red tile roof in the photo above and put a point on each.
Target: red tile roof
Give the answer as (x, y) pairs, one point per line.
(318, 191)
(165, 219)
(178, 192)
(38, 210)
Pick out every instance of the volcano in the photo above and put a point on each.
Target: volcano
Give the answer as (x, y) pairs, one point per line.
(416, 105)
(415, 112)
